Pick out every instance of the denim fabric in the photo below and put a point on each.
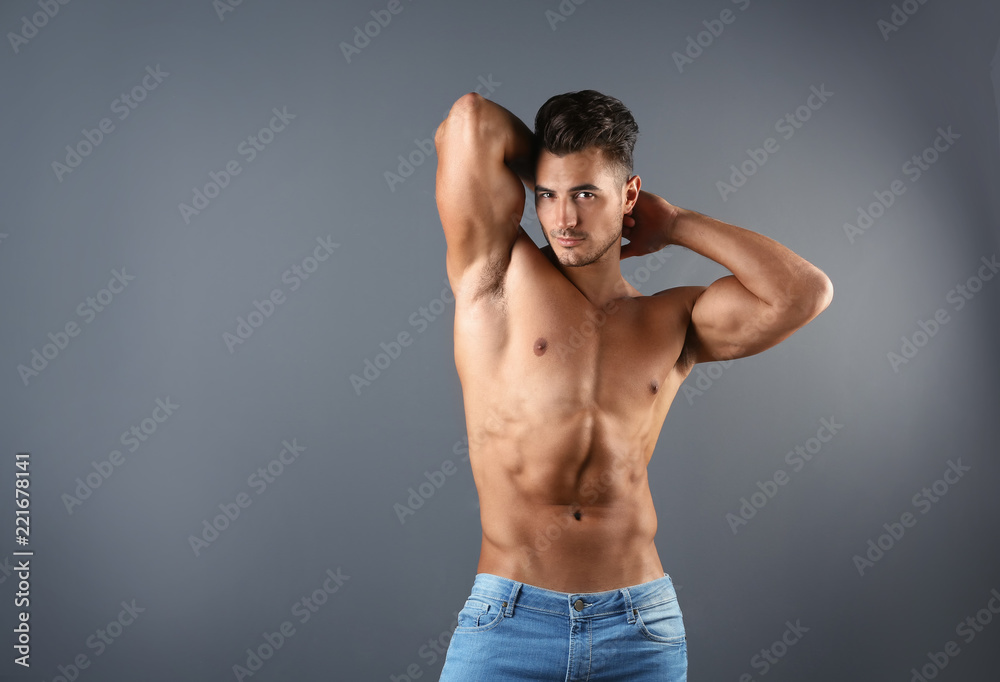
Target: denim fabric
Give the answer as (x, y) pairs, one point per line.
(508, 630)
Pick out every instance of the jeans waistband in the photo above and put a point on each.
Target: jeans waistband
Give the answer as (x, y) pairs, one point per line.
(574, 604)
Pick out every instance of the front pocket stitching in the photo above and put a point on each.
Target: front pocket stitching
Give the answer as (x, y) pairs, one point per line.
(482, 628)
(675, 641)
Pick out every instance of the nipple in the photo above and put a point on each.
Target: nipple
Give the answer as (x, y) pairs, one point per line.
(654, 386)
(540, 345)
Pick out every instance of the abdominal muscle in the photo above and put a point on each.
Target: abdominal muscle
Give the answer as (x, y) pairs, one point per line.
(566, 507)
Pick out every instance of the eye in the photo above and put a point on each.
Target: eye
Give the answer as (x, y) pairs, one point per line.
(543, 195)
(590, 195)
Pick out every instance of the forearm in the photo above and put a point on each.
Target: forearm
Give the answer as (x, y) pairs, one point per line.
(772, 272)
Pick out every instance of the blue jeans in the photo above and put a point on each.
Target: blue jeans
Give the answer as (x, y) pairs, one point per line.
(510, 630)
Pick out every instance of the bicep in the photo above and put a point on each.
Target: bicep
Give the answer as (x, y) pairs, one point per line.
(480, 199)
(728, 321)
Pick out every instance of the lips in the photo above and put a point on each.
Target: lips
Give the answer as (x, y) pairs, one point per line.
(566, 241)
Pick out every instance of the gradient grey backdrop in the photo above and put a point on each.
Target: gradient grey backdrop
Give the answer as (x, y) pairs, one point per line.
(336, 507)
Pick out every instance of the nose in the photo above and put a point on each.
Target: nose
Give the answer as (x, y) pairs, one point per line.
(565, 214)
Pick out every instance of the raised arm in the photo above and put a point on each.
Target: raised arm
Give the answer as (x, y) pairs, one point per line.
(772, 292)
(480, 197)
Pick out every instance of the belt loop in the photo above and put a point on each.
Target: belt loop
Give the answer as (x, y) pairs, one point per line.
(509, 606)
(630, 614)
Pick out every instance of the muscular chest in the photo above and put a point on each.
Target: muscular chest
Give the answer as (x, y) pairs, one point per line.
(556, 355)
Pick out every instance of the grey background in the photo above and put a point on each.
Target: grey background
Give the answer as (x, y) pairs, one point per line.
(324, 175)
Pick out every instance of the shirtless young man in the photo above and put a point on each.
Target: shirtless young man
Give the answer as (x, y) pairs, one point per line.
(567, 374)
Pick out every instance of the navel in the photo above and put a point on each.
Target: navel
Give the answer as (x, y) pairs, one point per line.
(540, 345)
(654, 386)
(576, 515)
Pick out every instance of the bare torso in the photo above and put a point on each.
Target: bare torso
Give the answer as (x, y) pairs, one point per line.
(564, 402)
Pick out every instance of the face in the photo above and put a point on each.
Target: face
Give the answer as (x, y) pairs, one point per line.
(580, 203)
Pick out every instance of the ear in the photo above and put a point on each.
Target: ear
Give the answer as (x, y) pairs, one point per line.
(630, 193)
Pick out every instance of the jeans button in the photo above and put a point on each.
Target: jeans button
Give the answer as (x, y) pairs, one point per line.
(578, 605)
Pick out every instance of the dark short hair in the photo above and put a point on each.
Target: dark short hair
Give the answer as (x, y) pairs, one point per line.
(575, 121)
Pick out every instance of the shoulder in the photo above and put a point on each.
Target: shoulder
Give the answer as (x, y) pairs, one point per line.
(670, 310)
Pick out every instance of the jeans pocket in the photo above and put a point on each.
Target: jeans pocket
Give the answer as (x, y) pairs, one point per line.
(480, 613)
(663, 623)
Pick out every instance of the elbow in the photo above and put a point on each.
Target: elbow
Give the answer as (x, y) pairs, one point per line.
(823, 292)
(466, 109)
(814, 296)
(811, 296)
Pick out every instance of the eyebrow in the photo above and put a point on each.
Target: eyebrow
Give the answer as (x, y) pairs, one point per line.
(539, 188)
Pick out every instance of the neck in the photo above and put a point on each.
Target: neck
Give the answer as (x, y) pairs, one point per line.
(600, 281)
